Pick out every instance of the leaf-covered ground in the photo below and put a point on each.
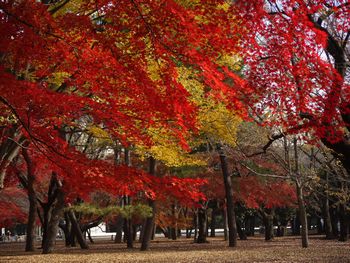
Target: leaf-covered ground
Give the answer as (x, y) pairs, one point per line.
(285, 249)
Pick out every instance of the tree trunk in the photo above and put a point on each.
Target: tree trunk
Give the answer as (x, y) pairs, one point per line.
(327, 219)
(250, 225)
(52, 227)
(303, 217)
(242, 235)
(344, 223)
(229, 198)
(213, 222)
(33, 205)
(301, 205)
(202, 225)
(128, 233)
(334, 221)
(119, 230)
(77, 231)
(225, 223)
(268, 224)
(195, 219)
(149, 224)
(173, 229)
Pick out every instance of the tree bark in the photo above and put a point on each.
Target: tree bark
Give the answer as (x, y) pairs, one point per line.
(300, 196)
(303, 217)
(242, 235)
(344, 223)
(202, 226)
(77, 231)
(268, 223)
(128, 233)
(149, 224)
(327, 219)
(33, 205)
(229, 198)
(52, 227)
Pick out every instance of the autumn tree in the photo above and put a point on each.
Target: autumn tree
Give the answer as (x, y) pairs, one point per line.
(296, 56)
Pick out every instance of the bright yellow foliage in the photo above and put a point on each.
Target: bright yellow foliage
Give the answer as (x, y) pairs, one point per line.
(99, 134)
(215, 121)
(167, 150)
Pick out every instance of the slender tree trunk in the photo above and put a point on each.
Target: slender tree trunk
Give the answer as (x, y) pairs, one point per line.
(154, 231)
(334, 221)
(229, 198)
(242, 235)
(225, 223)
(327, 219)
(77, 231)
(344, 223)
(195, 219)
(142, 231)
(268, 224)
(250, 224)
(303, 217)
(202, 225)
(213, 221)
(119, 230)
(149, 224)
(173, 229)
(301, 205)
(33, 205)
(46, 218)
(128, 233)
(89, 236)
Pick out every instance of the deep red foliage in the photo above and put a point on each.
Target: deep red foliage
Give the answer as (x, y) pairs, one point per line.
(296, 58)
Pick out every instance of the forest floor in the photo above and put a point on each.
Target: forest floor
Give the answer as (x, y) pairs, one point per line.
(285, 249)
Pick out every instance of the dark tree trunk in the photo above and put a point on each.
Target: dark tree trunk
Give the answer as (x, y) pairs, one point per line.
(142, 231)
(344, 223)
(225, 223)
(56, 212)
(268, 223)
(77, 231)
(213, 221)
(89, 236)
(33, 205)
(149, 224)
(229, 198)
(303, 217)
(300, 196)
(334, 221)
(67, 229)
(327, 219)
(250, 224)
(202, 225)
(242, 235)
(173, 229)
(128, 233)
(154, 231)
(296, 225)
(134, 232)
(195, 219)
(119, 230)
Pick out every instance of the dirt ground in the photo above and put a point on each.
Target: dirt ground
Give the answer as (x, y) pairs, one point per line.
(286, 249)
